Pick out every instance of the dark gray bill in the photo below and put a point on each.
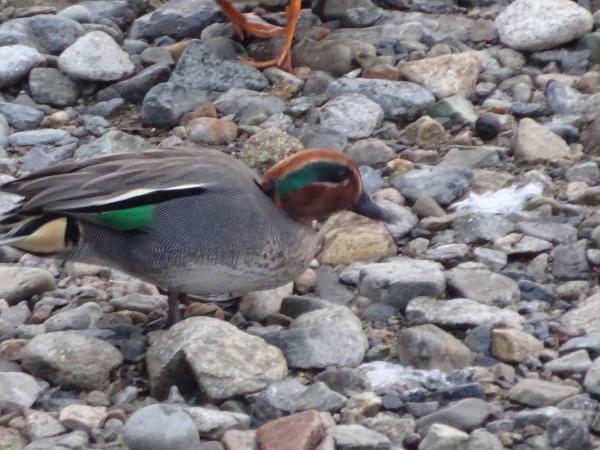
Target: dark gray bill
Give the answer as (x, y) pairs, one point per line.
(368, 208)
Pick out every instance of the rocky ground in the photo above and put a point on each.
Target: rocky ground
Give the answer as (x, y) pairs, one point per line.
(472, 322)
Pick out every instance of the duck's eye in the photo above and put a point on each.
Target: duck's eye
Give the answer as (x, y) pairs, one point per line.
(339, 174)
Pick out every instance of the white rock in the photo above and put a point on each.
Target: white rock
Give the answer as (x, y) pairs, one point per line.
(16, 61)
(18, 388)
(82, 417)
(96, 56)
(534, 25)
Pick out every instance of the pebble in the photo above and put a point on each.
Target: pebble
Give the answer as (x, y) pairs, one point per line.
(16, 61)
(348, 437)
(156, 427)
(538, 393)
(71, 360)
(355, 115)
(511, 345)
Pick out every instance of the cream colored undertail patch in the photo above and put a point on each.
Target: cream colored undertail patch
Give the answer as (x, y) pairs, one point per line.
(48, 238)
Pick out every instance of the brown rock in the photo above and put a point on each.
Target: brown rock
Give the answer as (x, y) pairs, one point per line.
(535, 144)
(425, 132)
(511, 345)
(11, 439)
(207, 130)
(82, 417)
(301, 431)
(239, 440)
(368, 243)
(13, 349)
(446, 75)
(383, 71)
(430, 347)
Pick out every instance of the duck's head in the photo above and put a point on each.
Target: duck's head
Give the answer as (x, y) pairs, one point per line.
(313, 184)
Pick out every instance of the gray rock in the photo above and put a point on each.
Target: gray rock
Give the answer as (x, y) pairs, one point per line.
(80, 318)
(482, 439)
(115, 141)
(588, 172)
(212, 354)
(590, 342)
(528, 25)
(18, 389)
(441, 436)
(358, 437)
(278, 399)
(157, 427)
(538, 393)
(20, 283)
(538, 417)
(592, 378)
(96, 57)
(78, 13)
(328, 337)
(16, 61)
(583, 316)
(569, 260)
(44, 136)
(568, 433)
(353, 114)
(166, 103)
(370, 152)
(576, 362)
(21, 117)
(443, 184)
(430, 347)
(466, 415)
(318, 396)
(557, 233)
(40, 424)
(400, 100)
(156, 55)
(400, 280)
(50, 86)
(191, 17)
(250, 107)
(484, 286)
(139, 302)
(477, 228)
(473, 157)
(333, 55)
(493, 259)
(72, 441)
(317, 136)
(200, 68)
(395, 428)
(213, 423)
(136, 87)
(520, 244)
(69, 359)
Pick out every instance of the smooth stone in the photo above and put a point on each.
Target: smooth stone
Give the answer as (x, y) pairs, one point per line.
(530, 26)
(583, 316)
(328, 337)
(96, 57)
(44, 136)
(250, 107)
(466, 415)
(71, 360)
(536, 144)
(511, 345)
(18, 389)
(165, 103)
(82, 417)
(81, 318)
(440, 436)
(517, 244)
(539, 393)
(157, 427)
(213, 423)
(400, 100)
(20, 283)
(73, 440)
(49, 86)
(459, 313)
(571, 363)
(443, 184)
(484, 286)
(21, 117)
(354, 437)
(446, 75)
(114, 141)
(355, 115)
(16, 61)
(213, 354)
(40, 425)
(430, 347)
(592, 378)
(398, 281)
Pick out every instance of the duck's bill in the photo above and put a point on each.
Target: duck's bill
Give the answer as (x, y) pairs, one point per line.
(368, 208)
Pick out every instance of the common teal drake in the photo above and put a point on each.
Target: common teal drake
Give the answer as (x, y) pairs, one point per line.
(189, 221)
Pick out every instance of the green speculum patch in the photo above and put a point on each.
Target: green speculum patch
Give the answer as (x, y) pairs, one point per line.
(313, 172)
(127, 219)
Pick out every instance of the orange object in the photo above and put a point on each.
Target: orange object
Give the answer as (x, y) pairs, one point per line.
(247, 22)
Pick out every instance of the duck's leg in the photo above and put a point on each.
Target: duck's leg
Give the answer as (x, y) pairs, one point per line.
(244, 22)
(173, 315)
(284, 59)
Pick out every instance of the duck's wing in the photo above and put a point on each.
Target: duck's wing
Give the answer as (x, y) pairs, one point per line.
(124, 180)
(119, 192)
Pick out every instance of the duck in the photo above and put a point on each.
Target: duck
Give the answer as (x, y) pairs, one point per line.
(250, 23)
(190, 221)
